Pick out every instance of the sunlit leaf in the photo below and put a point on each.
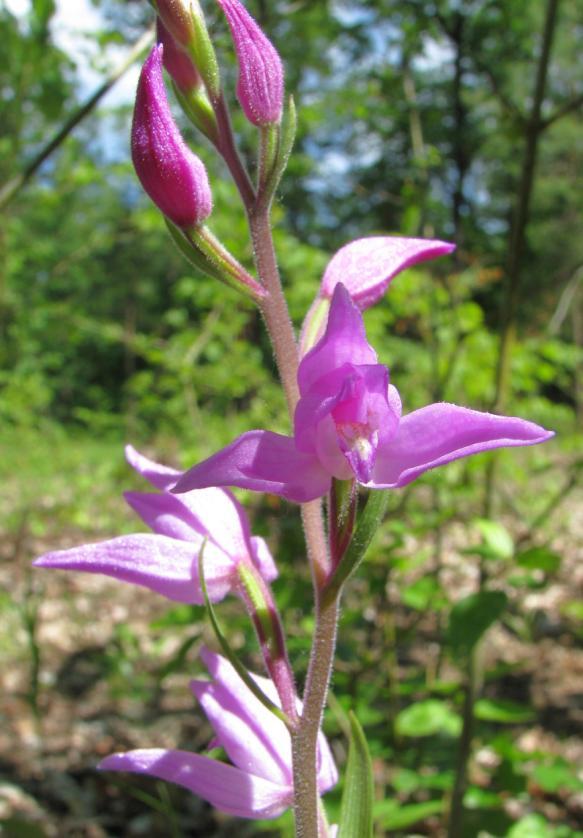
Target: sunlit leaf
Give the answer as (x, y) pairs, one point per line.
(508, 712)
(426, 718)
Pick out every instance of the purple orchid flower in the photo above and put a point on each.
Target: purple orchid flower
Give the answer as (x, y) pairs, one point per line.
(348, 425)
(259, 783)
(166, 560)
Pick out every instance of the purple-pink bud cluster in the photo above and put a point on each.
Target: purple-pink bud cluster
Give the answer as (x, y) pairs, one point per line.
(260, 84)
(174, 177)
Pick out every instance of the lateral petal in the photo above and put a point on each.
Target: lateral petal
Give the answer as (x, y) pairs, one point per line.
(366, 266)
(255, 739)
(442, 432)
(162, 477)
(261, 555)
(264, 462)
(213, 512)
(225, 787)
(164, 565)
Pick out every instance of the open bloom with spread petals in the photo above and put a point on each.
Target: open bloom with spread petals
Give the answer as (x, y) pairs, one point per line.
(172, 175)
(258, 783)
(348, 425)
(166, 560)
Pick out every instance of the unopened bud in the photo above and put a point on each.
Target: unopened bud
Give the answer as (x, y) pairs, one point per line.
(176, 61)
(176, 16)
(260, 84)
(174, 177)
(184, 20)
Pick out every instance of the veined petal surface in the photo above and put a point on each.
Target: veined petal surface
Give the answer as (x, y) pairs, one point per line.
(366, 266)
(225, 787)
(164, 565)
(262, 461)
(442, 432)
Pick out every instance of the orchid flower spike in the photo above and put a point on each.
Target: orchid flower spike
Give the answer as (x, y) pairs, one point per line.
(260, 84)
(166, 560)
(259, 782)
(174, 177)
(348, 425)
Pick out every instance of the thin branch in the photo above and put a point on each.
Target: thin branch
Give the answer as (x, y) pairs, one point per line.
(13, 186)
(561, 111)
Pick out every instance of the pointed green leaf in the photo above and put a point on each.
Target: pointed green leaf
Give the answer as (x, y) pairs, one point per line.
(367, 523)
(357, 798)
(471, 617)
(503, 711)
(279, 154)
(427, 718)
(228, 651)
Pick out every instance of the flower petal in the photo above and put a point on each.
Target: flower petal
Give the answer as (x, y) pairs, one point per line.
(164, 565)
(262, 461)
(366, 266)
(344, 342)
(255, 739)
(252, 736)
(440, 433)
(261, 555)
(226, 788)
(165, 514)
(213, 512)
(162, 477)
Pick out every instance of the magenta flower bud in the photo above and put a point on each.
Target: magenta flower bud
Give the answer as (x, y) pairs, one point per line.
(178, 19)
(174, 177)
(176, 62)
(260, 85)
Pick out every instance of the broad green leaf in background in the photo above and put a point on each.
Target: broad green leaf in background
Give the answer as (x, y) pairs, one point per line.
(471, 617)
(557, 776)
(426, 718)
(531, 826)
(508, 712)
(391, 815)
(422, 593)
(357, 800)
(539, 558)
(497, 539)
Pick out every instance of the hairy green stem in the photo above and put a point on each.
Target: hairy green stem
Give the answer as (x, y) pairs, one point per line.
(309, 823)
(307, 805)
(305, 738)
(228, 150)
